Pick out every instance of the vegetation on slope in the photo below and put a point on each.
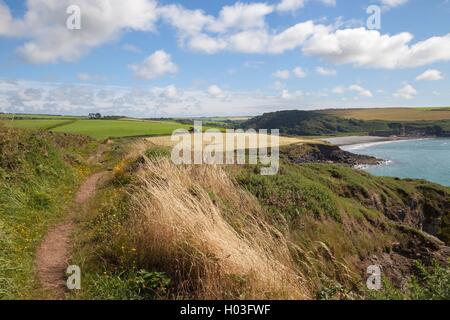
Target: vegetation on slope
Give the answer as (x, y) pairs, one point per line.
(315, 123)
(165, 231)
(102, 129)
(39, 173)
(393, 114)
(99, 129)
(309, 123)
(187, 224)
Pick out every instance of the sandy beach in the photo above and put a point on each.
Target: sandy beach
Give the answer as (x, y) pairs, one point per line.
(352, 140)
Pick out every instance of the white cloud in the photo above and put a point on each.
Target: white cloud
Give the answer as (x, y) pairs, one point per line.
(170, 92)
(290, 5)
(329, 2)
(369, 48)
(326, 72)
(407, 92)
(237, 28)
(44, 24)
(393, 3)
(282, 74)
(287, 95)
(430, 75)
(156, 65)
(353, 88)
(168, 101)
(299, 72)
(241, 16)
(361, 91)
(294, 5)
(216, 92)
(241, 27)
(290, 38)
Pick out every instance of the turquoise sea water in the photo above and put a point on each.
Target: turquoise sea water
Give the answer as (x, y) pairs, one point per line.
(423, 159)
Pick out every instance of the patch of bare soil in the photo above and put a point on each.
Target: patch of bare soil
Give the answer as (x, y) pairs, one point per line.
(54, 252)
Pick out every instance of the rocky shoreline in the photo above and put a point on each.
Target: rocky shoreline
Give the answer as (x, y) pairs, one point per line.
(322, 153)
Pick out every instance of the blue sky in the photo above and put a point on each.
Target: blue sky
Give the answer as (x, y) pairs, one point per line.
(192, 58)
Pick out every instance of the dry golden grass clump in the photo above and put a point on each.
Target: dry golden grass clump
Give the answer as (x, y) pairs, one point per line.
(210, 236)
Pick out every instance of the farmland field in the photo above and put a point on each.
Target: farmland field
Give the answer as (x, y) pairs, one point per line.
(102, 129)
(36, 124)
(36, 116)
(392, 114)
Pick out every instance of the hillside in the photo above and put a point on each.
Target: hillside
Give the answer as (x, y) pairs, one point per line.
(39, 173)
(155, 230)
(392, 114)
(309, 123)
(97, 129)
(315, 123)
(201, 232)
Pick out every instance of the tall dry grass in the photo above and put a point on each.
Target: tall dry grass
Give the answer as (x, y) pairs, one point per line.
(210, 236)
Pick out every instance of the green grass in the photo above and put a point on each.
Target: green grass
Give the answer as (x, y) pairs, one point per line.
(333, 215)
(434, 108)
(347, 210)
(37, 116)
(429, 283)
(102, 129)
(39, 174)
(392, 114)
(36, 124)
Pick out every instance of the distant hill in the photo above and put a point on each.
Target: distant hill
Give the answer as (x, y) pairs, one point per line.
(392, 114)
(319, 123)
(310, 123)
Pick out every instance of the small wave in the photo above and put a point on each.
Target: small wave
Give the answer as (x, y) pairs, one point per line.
(368, 145)
(373, 144)
(368, 166)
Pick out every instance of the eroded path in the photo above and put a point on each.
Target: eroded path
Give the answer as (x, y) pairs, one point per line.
(54, 252)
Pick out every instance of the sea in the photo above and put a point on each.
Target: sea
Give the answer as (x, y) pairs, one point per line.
(420, 159)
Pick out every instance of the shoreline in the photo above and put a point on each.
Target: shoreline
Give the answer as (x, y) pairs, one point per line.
(364, 140)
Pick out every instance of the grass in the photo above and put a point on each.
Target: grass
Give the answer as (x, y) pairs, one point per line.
(429, 283)
(393, 114)
(38, 176)
(210, 232)
(158, 231)
(37, 124)
(188, 227)
(434, 108)
(102, 129)
(24, 116)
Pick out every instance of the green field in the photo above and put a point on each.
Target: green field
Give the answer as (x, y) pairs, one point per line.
(36, 124)
(392, 114)
(36, 116)
(101, 129)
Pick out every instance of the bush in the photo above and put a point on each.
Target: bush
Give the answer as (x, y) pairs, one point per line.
(429, 283)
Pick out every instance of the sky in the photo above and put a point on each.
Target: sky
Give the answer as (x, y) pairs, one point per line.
(148, 58)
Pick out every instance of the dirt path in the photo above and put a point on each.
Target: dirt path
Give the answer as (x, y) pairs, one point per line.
(53, 254)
